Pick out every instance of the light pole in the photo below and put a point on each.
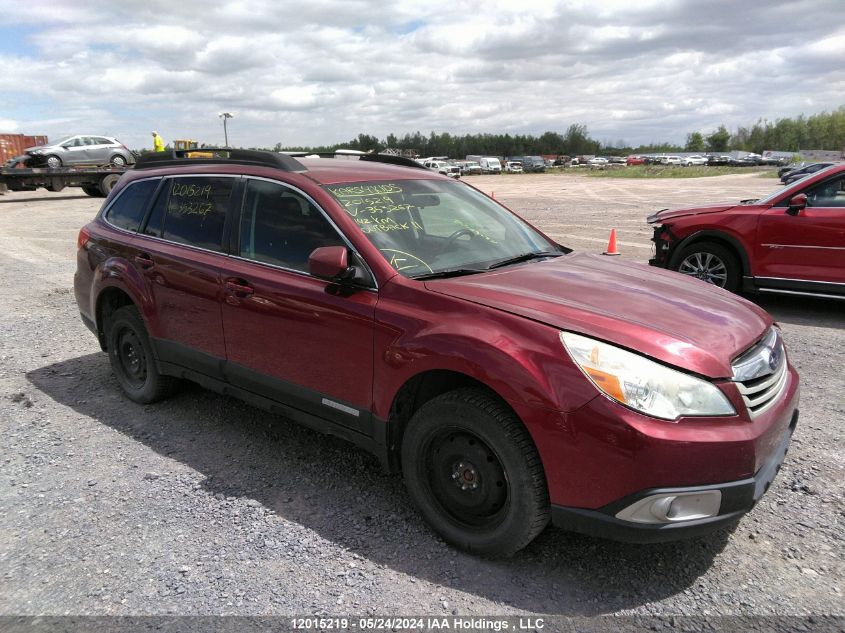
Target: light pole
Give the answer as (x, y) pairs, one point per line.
(225, 116)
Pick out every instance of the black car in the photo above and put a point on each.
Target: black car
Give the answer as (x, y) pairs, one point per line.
(797, 174)
(791, 167)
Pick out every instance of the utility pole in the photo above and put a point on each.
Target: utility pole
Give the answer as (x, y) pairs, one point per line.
(225, 116)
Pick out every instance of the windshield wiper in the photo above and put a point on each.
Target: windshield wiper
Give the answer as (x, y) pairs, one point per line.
(524, 257)
(449, 272)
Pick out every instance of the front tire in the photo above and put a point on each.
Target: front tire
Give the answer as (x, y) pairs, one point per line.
(132, 359)
(710, 262)
(474, 473)
(92, 190)
(53, 162)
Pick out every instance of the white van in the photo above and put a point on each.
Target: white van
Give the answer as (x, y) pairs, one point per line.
(489, 164)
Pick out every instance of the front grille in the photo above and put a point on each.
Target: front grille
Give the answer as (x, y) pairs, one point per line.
(761, 372)
(759, 394)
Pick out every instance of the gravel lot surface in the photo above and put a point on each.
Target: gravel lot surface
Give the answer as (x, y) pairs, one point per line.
(204, 505)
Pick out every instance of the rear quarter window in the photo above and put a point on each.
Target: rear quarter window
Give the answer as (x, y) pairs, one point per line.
(127, 211)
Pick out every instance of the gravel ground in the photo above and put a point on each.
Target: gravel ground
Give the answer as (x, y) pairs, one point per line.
(204, 505)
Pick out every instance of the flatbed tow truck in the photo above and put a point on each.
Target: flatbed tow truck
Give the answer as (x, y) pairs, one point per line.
(95, 181)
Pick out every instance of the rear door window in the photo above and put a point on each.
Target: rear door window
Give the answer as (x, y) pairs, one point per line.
(128, 209)
(196, 211)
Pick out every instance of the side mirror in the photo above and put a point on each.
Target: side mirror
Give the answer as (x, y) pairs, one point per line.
(331, 263)
(797, 204)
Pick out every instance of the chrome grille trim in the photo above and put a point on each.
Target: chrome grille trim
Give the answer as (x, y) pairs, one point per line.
(758, 381)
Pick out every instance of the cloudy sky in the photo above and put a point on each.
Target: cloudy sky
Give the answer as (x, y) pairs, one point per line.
(321, 71)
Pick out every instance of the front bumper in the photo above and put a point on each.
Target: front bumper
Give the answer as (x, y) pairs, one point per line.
(737, 498)
(662, 241)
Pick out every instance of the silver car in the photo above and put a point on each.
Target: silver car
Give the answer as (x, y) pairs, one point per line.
(81, 150)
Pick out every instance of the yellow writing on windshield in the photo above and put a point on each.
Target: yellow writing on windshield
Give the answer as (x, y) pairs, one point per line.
(401, 260)
(377, 208)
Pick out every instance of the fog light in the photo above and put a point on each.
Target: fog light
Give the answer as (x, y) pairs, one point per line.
(673, 507)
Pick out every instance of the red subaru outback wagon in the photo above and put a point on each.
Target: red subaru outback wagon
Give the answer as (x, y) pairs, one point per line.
(511, 381)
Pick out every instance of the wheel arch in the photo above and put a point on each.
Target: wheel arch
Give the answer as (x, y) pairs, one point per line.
(109, 300)
(719, 237)
(419, 389)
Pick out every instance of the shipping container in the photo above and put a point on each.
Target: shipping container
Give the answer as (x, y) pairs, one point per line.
(12, 145)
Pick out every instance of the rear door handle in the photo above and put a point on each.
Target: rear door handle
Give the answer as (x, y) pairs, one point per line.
(144, 260)
(239, 287)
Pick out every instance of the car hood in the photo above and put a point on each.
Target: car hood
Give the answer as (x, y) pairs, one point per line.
(670, 317)
(668, 214)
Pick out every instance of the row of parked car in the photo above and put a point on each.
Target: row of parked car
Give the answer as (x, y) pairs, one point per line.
(713, 160)
(479, 164)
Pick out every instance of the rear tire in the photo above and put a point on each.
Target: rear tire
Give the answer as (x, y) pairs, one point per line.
(132, 359)
(710, 262)
(117, 160)
(107, 183)
(474, 472)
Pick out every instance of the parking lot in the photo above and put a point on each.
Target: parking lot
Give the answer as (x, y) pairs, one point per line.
(205, 505)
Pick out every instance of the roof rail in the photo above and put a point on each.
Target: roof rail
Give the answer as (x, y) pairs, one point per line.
(393, 160)
(216, 156)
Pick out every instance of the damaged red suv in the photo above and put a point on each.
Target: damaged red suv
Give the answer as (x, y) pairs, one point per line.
(511, 381)
(791, 242)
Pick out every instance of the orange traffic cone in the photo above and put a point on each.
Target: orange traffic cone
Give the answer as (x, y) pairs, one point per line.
(611, 244)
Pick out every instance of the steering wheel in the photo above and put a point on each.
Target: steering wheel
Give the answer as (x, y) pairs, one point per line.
(451, 239)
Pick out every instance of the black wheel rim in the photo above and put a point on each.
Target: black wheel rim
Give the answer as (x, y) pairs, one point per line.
(466, 478)
(705, 266)
(131, 357)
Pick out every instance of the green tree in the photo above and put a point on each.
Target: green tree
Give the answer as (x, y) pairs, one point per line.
(718, 140)
(695, 142)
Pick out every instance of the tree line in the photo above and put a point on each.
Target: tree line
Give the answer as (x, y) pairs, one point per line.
(823, 131)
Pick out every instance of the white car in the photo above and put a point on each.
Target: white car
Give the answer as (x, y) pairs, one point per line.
(513, 167)
(671, 160)
(442, 167)
(470, 167)
(598, 161)
(693, 160)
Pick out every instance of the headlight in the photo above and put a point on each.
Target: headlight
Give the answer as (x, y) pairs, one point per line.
(642, 384)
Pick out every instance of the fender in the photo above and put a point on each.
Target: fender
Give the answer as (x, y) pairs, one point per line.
(521, 360)
(117, 272)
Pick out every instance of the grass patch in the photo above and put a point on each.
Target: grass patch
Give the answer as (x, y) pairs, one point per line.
(669, 171)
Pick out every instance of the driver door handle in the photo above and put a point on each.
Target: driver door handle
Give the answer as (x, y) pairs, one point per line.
(239, 287)
(144, 261)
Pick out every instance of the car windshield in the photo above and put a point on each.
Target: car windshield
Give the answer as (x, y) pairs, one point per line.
(63, 140)
(426, 227)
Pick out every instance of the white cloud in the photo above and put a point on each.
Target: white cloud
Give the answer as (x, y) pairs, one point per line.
(323, 71)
